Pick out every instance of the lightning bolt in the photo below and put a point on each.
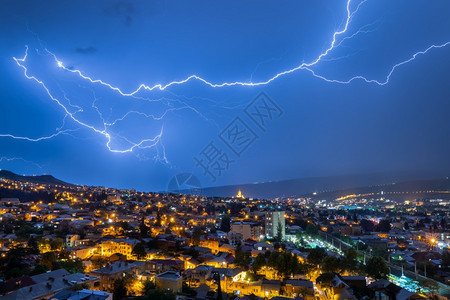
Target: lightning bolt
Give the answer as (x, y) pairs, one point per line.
(335, 42)
(143, 144)
(337, 39)
(9, 159)
(388, 76)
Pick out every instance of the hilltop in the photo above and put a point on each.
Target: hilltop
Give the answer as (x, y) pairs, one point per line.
(44, 179)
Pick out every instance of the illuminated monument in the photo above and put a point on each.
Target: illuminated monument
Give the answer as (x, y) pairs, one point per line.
(240, 195)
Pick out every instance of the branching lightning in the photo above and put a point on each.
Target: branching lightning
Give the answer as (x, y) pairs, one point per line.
(335, 42)
(9, 159)
(338, 37)
(143, 144)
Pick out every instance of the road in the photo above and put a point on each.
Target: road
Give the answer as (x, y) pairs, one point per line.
(338, 243)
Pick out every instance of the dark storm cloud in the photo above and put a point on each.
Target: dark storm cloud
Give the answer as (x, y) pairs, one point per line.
(121, 9)
(87, 50)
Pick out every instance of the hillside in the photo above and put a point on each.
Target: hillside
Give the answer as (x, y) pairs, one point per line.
(45, 179)
(323, 185)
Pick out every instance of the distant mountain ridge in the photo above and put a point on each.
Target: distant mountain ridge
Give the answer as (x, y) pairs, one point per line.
(306, 186)
(44, 179)
(330, 186)
(406, 190)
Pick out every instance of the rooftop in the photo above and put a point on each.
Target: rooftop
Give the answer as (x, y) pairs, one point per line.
(169, 275)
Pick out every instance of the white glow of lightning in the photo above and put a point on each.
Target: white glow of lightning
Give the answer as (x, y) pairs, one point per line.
(143, 144)
(35, 139)
(388, 77)
(304, 66)
(336, 41)
(9, 159)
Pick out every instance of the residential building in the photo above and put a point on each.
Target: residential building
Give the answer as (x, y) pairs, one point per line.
(275, 224)
(169, 280)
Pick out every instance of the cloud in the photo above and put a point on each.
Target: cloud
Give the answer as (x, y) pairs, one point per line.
(121, 9)
(87, 50)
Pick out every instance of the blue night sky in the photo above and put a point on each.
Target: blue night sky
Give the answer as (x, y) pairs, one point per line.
(326, 128)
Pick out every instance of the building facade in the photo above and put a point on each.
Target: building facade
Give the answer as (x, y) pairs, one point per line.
(273, 221)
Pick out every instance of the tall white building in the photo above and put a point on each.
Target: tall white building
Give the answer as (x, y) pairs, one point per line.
(273, 220)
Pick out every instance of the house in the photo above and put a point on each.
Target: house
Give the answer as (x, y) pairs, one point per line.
(158, 266)
(210, 243)
(48, 284)
(249, 230)
(115, 271)
(235, 238)
(13, 284)
(261, 247)
(303, 288)
(199, 275)
(71, 240)
(386, 290)
(82, 295)
(270, 288)
(122, 246)
(355, 281)
(169, 280)
(82, 252)
(341, 290)
(227, 248)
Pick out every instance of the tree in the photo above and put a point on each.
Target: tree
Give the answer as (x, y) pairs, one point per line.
(48, 258)
(325, 279)
(219, 288)
(361, 246)
(331, 264)
(124, 225)
(158, 218)
(33, 245)
(147, 286)
(446, 258)
(139, 251)
(384, 225)
(259, 262)
(119, 289)
(285, 263)
(242, 259)
(56, 244)
(143, 228)
(13, 264)
(196, 235)
(367, 225)
(39, 269)
(377, 268)
(279, 236)
(311, 230)
(350, 262)
(72, 265)
(316, 255)
(157, 294)
(98, 262)
(225, 225)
